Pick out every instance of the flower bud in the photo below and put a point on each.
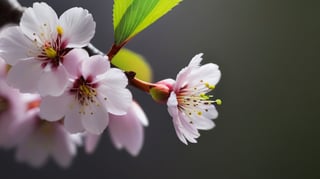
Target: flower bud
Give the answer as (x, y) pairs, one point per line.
(161, 91)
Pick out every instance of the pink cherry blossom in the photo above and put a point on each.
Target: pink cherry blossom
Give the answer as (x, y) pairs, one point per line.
(125, 131)
(12, 109)
(37, 140)
(94, 91)
(36, 48)
(189, 105)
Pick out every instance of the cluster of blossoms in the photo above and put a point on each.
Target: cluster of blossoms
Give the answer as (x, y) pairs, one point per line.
(54, 97)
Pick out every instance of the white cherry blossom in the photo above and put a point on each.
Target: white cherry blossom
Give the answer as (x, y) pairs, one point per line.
(189, 104)
(36, 48)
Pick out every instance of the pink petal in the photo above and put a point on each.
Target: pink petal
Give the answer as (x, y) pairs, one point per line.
(95, 66)
(25, 76)
(91, 142)
(54, 108)
(127, 131)
(78, 25)
(41, 18)
(63, 147)
(95, 119)
(53, 82)
(72, 61)
(33, 149)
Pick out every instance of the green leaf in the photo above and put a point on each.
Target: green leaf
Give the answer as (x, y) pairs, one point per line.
(130, 61)
(132, 16)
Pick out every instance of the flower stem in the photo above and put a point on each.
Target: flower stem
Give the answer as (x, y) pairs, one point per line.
(136, 82)
(114, 50)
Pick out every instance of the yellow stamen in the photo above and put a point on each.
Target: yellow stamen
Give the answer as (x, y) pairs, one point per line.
(50, 52)
(59, 30)
(85, 90)
(210, 86)
(218, 101)
(204, 96)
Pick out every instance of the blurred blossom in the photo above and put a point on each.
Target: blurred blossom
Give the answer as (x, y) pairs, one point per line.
(37, 140)
(126, 131)
(12, 109)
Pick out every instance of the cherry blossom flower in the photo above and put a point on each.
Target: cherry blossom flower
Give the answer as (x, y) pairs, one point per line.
(189, 104)
(38, 140)
(12, 109)
(36, 48)
(125, 131)
(95, 90)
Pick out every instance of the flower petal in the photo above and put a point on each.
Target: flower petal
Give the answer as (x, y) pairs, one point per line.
(116, 100)
(94, 66)
(127, 131)
(79, 27)
(53, 82)
(72, 120)
(54, 108)
(95, 119)
(25, 76)
(138, 111)
(91, 142)
(14, 45)
(72, 61)
(63, 147)
(39, 22)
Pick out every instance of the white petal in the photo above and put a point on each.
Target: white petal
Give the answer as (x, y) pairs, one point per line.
(127, 131)
(72, 61)
(54, 108)
(208, 73)
(113, 78)
(78, 25)
(40, 19)
(72, 120)
(95, 119)
(196, 60)
(94, 66)
(177, 126)
(204, 124)
(25, 76)
(116, 100)
(14, 45)
(91, 142)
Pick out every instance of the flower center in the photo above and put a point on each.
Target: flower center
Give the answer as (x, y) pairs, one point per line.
(193, 100)
(51, 46)
(50, 52)
(4, 104)
(85, 92)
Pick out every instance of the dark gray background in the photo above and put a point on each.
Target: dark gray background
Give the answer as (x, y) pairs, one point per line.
(268, 126)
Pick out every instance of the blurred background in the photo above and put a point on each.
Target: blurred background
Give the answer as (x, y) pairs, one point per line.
(268, 125)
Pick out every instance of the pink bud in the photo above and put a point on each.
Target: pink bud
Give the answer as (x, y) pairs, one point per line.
(161, 92)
